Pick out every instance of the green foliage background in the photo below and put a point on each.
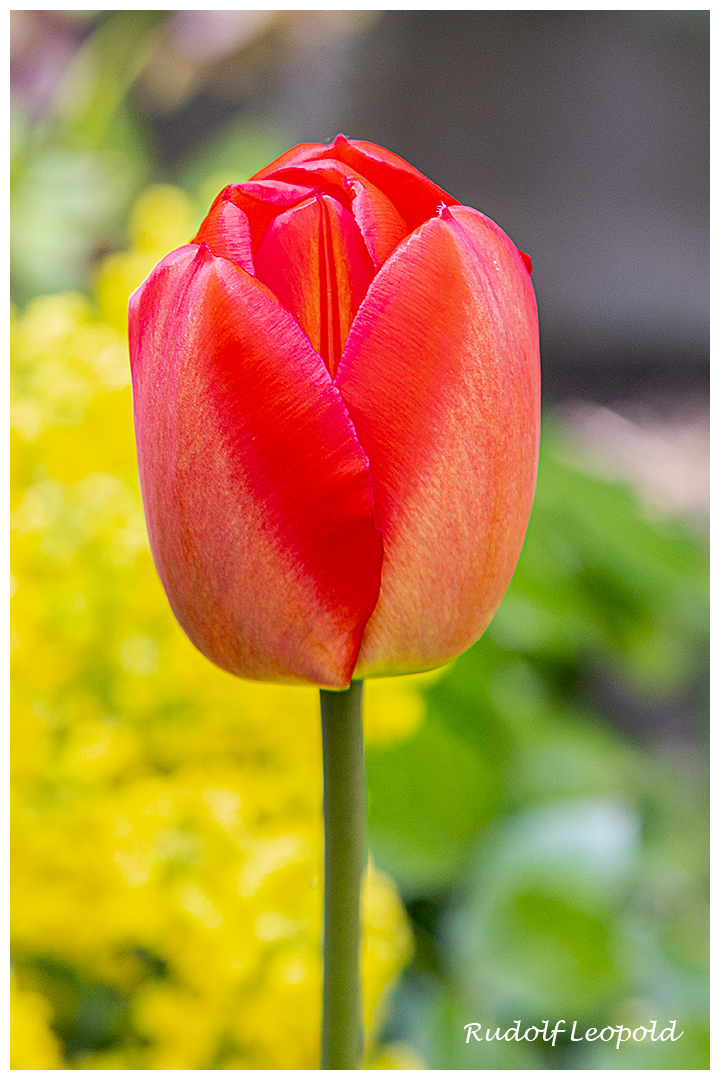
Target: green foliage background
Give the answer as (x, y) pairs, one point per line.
(547, 836)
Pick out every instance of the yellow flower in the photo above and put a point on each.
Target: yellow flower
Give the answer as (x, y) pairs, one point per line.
(167, 817)
(32, 1044)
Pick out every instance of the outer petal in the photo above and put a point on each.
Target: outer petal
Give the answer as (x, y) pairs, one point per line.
(441, 377)
(256, 491)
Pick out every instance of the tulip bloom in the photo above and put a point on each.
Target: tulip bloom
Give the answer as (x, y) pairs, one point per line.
(336, 393)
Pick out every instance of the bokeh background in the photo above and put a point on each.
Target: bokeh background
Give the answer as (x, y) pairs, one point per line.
(538, 809)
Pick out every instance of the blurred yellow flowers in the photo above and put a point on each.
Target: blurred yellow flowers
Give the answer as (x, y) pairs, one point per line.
(167, 817)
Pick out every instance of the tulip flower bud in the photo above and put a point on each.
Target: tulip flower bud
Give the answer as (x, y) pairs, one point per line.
(337, 396)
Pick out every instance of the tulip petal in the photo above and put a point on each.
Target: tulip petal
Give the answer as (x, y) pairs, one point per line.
(226, 231)
(411, 193)
(381, 225)
(414, 196)
(315, 261)
(259, 201)
(440, 375)
(295, 156)
(257, 493)
(379, 222)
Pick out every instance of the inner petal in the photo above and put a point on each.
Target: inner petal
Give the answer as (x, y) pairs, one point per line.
(315, 260)
(381, 225)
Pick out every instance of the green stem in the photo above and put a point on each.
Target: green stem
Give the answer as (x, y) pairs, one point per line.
(344, 814)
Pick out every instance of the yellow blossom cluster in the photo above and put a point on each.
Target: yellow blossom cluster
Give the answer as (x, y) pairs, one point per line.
(167, 836)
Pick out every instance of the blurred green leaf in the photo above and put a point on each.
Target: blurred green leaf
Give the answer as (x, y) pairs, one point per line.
(76, 172)
(101, 75)
(537, 932)
(425, 800)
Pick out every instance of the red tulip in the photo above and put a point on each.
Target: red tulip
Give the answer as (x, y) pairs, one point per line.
(336, 390)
